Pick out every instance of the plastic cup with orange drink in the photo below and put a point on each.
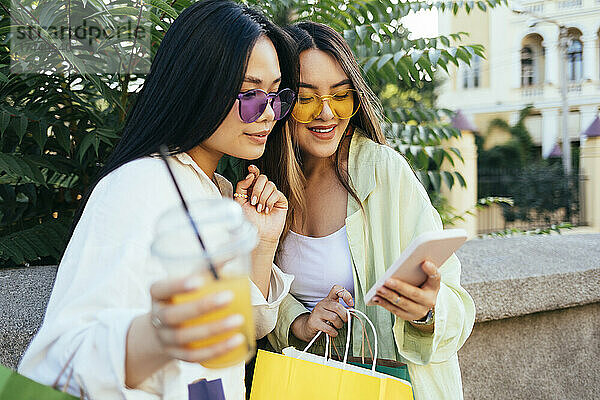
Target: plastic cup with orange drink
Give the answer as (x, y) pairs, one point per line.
(228, 240)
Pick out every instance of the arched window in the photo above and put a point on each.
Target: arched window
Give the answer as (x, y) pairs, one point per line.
(471, 75)
(574, 56)
(528, 77)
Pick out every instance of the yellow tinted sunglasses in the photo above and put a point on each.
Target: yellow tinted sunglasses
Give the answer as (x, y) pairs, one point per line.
(343, 104)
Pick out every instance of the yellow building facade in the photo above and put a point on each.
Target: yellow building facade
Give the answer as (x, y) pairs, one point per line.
(522, 68)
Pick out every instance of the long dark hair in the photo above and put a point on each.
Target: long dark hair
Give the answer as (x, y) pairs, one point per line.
(194, 80)
(312, 35)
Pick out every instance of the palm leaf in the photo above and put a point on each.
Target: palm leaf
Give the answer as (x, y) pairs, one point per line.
(18, 167)
(47, 239)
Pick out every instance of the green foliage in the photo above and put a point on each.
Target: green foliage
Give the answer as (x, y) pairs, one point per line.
(56, 132)
(540, 189)
(541, 194)
(448, 213)
(518, 152)
(538, 231)
(58, 129)
(53, 139)
(44, 240)
(505, 156)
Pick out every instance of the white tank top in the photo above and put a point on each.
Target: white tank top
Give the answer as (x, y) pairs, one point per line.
(317, 263)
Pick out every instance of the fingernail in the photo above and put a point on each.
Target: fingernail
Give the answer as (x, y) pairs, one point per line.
(266, 210)
(234, 321)
(236, 340)
(254, 200)
(351, 303)
(223, 297)
(259, 207)
(193, 282)
(249, 176)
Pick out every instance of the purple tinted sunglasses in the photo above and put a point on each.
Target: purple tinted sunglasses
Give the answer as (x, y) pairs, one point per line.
(253, 103)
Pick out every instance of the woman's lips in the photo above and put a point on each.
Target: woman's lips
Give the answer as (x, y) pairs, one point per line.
(323, 132)
(258, 138)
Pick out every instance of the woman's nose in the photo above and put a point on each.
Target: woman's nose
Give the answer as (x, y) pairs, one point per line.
(326, 113)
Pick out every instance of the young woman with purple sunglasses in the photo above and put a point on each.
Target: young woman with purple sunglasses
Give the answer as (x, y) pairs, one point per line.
(222, 82)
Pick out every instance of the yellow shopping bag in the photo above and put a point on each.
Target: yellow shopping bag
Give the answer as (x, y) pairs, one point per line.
(299, 375)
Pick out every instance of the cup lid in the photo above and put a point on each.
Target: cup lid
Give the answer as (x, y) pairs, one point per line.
(222, 226)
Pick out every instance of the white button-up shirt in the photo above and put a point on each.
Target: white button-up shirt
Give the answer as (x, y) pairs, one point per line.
(104, 280)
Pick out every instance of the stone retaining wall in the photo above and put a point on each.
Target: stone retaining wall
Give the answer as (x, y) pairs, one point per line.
(537, 333)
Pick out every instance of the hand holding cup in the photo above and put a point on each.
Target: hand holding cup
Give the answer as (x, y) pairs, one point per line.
(169, 319)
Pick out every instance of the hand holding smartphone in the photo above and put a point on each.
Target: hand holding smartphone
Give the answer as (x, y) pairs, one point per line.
(435, 246)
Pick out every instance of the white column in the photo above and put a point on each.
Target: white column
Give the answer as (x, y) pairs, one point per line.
(590, 57)
(552, 60)
(550, 123)
(590, 167)
(463, 199)
(516, 68)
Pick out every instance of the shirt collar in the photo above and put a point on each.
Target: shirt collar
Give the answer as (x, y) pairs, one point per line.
(361, 165)
(185, 159)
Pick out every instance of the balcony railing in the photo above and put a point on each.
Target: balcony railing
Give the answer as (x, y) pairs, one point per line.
(536, 8)
(566, 4)
(532, 91)
(574, 88)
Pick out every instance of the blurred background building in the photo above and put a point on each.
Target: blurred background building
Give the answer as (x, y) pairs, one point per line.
(523, 68)
(510, 107)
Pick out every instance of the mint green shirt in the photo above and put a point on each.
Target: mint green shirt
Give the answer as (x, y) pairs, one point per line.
(396, 210)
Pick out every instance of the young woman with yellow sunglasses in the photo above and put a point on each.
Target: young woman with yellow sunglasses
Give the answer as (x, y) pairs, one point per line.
(357, 206)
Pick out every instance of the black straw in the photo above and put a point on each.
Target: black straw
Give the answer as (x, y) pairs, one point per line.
(163, 150)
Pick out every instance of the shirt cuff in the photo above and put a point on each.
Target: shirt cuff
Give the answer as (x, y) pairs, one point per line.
(265, 310)
(424, 347)
(279, 287)
(282, 337)
(414, 345)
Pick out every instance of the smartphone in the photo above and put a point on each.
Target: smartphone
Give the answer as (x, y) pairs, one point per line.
(435, 246)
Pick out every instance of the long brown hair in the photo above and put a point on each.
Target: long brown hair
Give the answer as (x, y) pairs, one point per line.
(369, 118)
(279, 162)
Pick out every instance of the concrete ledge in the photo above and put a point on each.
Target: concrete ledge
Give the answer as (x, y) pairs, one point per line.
(510, 277)
(517, 297)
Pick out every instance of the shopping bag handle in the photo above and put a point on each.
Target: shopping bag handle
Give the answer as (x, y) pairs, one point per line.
(69, 376)
(327, 355)
(349, 312)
